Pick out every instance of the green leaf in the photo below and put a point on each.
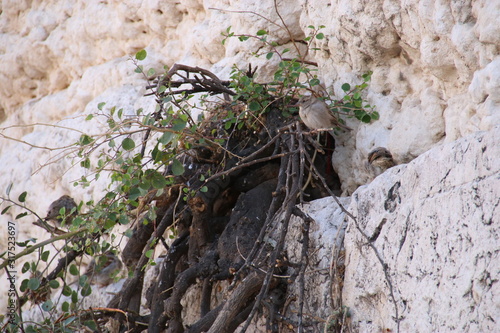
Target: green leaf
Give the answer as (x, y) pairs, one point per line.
(22, 197)
(26, 242)
(141, 55)
(33, 284)
(375, 115)
(177, 167)
(7, 191)
(149, 253)
(366, 118)
(24, 285)
(20, 215)
(67, 291)
(109, 224)
(269, 55)
(5, 210)
(367, 76)
(166, 137)
(91, 324)
(254, 106)
(65, 306)
(123, 219)
(47, 305)
(204, 189)
(261, 32)
(134, 193)
(178, 125)
(70, 319)
(73, 270)
(101, 105)
(86, 290)
(138, 69)
(128, 144)
(346, 87)
(359, 114)
(111, 123)
(320, 35)
(243, 38)
(128, 233)
(54, 284)
(89, 117)
(85, 140)
(45, 256)
(162, 89)
(314, 82)
(85, 163)
(158, 181)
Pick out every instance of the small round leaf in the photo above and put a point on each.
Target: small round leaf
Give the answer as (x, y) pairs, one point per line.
(73, 270)
(33, 284)
(47, 305)
(65, 307)
(177, 167)
(128, 144)
(54, 284)
(22, 197)
(141, 55)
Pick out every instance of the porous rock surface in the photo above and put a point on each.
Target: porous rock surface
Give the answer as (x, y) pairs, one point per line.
(436, 77)
(434, 224)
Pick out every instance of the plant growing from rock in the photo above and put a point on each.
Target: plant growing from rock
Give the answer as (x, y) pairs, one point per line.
(223, 188)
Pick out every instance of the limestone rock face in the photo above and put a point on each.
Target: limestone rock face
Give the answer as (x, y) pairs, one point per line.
(434, 223)
(436, 77)
(435, 65)
(326, 235)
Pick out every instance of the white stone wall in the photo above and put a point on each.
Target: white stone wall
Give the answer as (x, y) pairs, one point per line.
(437, 224)
(436, 73)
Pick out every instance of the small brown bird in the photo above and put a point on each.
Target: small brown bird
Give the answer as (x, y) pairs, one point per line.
(103, 269)
(316, 114)
(53, 214)
(380, 159)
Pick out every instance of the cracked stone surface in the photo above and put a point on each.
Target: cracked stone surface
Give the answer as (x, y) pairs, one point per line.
(434, 223)
(436, 77)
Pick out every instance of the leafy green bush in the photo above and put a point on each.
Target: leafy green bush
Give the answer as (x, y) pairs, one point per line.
(144, 155)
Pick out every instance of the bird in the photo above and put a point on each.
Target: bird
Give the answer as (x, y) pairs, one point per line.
(66, 202)
(380, 159)
(103, 269)
(316, 114)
